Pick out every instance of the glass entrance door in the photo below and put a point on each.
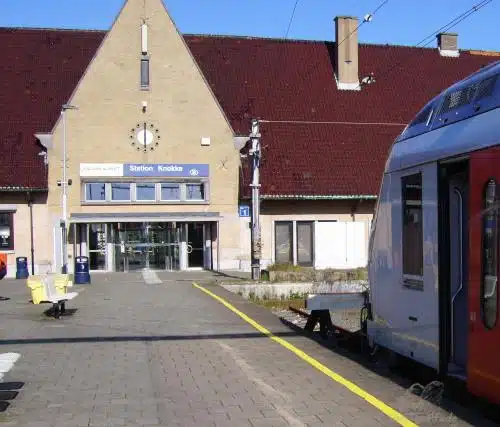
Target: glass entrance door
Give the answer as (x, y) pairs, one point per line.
(135, 248)
(196, 246)
(97, 239)
(147, 246)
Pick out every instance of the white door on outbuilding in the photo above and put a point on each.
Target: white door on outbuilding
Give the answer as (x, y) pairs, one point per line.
(340, 244)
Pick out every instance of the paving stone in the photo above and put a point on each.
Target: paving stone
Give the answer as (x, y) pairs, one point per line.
(269, 422)
(167, 354)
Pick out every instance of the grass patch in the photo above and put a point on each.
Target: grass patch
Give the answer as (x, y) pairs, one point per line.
(296, 300)
(295, 273)
(285, 267)
(278, 304)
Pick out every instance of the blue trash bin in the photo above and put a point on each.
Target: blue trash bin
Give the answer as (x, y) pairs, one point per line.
(82, 273)
(22, 267)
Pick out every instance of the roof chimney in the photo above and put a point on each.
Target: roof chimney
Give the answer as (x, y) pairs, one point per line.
(448, 44)
(346, 64)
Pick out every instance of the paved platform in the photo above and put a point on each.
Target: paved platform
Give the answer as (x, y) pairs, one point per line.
(153, 350)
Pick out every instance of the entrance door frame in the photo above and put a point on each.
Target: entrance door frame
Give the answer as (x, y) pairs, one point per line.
(82, 245)
(106, 250)
(205, 264)
(447, 173)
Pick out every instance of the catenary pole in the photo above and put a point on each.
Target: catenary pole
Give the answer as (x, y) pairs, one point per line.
(255, 152)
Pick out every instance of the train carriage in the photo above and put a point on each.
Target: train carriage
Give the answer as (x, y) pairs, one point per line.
(434, 257)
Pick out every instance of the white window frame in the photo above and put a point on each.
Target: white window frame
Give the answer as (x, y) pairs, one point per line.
(85, 195)
(155, 195)
(204, 187)
(294, 239)
(111, 200)
(179, 186)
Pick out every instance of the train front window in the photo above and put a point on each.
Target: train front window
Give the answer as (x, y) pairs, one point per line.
(490, 255)
(413, 255)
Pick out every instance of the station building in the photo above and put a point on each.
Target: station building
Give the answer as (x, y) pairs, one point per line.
(153, 126)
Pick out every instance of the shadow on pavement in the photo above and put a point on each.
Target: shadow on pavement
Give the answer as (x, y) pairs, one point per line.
(67, 313)
(9, 391)
(139, 338)
(406, 374)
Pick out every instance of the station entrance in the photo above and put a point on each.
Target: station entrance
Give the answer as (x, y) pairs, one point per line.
(133, 246)
(147, 246)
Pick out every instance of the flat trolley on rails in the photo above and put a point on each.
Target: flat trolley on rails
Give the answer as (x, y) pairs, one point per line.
(434, 251)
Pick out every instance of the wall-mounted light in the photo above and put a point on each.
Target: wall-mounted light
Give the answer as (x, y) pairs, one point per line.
(144, 39)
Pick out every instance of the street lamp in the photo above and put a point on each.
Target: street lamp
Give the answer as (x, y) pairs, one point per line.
(64, 185)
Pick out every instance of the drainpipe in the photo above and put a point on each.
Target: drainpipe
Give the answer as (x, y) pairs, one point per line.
(354, 209)
(30, 204)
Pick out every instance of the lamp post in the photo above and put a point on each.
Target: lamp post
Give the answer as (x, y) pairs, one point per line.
(64, 185)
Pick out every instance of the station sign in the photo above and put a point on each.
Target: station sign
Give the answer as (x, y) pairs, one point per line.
(117, 170)
(244, 211)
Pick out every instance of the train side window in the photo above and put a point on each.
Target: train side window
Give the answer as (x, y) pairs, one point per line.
(490, 255)
(413, 254)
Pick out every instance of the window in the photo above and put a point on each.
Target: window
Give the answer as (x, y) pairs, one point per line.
(7, 231)
(305, 247)
(283, 242)
(141, 192)
(490, 256)
(144, 73)
(413, 255)
(486, 88)
(120, 191)
(195, 192)
(423, 117)
(145, 192)
(170, 192)
(95, 191)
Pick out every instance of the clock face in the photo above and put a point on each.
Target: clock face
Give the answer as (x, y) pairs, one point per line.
(145, 136)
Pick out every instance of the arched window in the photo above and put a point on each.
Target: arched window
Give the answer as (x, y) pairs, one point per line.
(490, 256)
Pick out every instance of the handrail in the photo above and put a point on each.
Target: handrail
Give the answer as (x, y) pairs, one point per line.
(460, 288)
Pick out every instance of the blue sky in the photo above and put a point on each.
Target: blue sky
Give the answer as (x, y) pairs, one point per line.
(397, 22)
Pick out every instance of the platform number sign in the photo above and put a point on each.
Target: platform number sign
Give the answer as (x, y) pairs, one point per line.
(244, 211)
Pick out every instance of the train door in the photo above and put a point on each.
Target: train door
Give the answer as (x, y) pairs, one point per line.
(454, 267)
(484, 342)
(458, 193)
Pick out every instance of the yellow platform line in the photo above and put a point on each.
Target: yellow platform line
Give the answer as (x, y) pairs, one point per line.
(372, 400)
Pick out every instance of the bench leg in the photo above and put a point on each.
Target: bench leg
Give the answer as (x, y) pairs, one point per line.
(324, 319)
(57, 312)
(311, 321)
(63, 307)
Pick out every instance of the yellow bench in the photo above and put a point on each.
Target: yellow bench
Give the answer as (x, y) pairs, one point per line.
(51, 288)
(39, 291)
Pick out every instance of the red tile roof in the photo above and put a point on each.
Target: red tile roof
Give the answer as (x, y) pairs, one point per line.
(38, 72)
(269, 79)
(280, 80)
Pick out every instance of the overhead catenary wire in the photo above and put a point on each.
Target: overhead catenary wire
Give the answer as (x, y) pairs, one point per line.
(454, 22)
(366, 19)
(313, 122)
(291, 18)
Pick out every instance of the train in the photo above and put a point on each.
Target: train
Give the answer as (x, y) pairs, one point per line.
(434, 247)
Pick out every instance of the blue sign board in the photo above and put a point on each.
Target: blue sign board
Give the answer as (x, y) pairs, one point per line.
(244, 211)
(166, 170)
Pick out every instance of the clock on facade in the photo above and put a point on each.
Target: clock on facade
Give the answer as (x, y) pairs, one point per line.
(145, 136)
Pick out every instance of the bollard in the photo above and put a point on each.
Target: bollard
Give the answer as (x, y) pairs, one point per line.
(82, 272)
(22, 267)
